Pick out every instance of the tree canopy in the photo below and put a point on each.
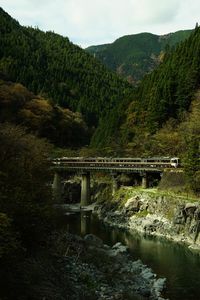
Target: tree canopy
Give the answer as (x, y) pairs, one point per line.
(41, 116)
(50, 65)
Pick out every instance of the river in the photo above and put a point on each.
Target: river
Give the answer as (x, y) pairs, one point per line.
(175, 262)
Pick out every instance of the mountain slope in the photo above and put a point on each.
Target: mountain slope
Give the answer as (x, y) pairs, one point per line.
(164, 94)
(50, 65)
(133, 56)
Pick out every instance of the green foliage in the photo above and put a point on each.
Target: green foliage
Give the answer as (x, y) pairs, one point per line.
(167, 92)
(163, 117)
(163, 96)
(24, 194)
(192, 164)
(141, 214)
(50, 65)
(133, 56)
(190, 132)
(173, 181)
(26, 214)
(9, 244)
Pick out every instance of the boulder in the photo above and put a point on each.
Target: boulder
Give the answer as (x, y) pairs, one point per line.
(117, 249)
(151, 225)
(180, 215)
(190, 209)
(120, 248)
(159, 285)
(133, 204)
(197, 213)
(93, 240)
(148, 274)
(144, 291)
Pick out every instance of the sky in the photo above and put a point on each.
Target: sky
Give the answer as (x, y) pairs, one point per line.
(93, 22)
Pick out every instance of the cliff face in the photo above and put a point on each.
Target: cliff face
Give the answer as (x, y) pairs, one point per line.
(156, 213)
(171, 216)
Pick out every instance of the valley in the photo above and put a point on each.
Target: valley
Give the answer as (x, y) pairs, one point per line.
(128, 110)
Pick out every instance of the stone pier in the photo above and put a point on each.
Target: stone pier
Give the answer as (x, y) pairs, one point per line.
(57, 188)
(144, 180)
(85, 189)
(115, 184)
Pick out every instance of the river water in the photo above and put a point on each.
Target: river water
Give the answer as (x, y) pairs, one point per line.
(180, 266)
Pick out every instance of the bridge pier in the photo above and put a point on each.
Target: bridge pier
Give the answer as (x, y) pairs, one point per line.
(136, 179)
(115, 184)
(57, 188)
(145, 181)
(85, 189)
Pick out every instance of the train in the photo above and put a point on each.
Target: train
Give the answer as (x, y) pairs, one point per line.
(166, 162)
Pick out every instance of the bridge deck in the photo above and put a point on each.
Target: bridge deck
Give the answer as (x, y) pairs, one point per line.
(108, 169)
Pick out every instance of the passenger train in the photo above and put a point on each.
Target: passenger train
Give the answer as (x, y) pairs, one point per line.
(151, 162)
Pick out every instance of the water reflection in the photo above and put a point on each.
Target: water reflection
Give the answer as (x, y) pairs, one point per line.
(167, 259)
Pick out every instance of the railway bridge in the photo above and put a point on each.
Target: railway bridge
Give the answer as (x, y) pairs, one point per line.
(143, 167)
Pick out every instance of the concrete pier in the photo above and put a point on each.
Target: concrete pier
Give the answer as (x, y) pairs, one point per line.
(85, 189)
(115, 184)
(136, 181)
(57, 188)
(144, 180)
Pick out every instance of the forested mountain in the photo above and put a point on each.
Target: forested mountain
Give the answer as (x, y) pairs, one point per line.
(50, 65)
(43, 77)
(162, 100)
(132, 56)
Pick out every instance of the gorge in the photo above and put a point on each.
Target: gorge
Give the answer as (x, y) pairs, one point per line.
(134, 147)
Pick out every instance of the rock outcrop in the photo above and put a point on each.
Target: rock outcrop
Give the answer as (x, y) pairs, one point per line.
(156, 213)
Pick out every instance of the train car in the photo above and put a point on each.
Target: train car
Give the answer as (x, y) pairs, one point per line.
(126, 159)
(175, 162)
(150, 162)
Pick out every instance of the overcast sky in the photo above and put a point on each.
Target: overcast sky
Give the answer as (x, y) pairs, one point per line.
(92, 22)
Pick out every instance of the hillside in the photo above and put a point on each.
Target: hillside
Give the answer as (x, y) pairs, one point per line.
(50, 65)
(163, 116)
(40, 116)
(133, 56)
(160, 103)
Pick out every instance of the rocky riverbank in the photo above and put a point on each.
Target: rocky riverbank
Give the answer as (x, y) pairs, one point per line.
(154, 212)
(98, 271)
